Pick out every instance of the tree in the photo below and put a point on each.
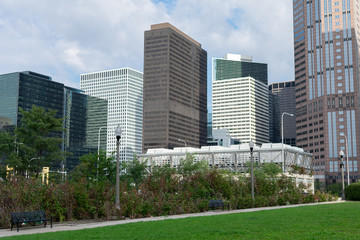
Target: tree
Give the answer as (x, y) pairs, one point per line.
(95, 167)
(7, 145)
(135, 171)
(188, 166)
(39, 139)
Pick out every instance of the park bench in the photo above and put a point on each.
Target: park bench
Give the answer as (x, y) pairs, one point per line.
(218, 203)
(29, 217)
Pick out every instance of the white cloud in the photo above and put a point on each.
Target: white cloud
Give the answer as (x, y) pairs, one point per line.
(66, 38)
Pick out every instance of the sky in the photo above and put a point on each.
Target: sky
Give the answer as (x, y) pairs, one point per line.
(66, 38)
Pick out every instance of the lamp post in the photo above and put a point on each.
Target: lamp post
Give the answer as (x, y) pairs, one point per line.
(118, 136)
(180, 140)
(347, 158)
(251, 145)
(98, 153)
(17, 147)
(28, 170)
(341, 153)
(282, 137)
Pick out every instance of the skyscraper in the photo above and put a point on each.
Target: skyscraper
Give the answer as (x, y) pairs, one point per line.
(123, 88)
(285, 102)
(274, 118)
(81, 113)
(240, 98)
(327, 83)
(175, 89)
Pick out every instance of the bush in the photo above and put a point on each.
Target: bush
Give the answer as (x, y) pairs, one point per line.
(352, 192)
(164, 192)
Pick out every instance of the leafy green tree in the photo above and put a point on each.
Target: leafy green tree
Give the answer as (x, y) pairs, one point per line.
(39, 139)
(269, 170)
(7, 147)
(6, 143)
(188, 166)
(335, 188)
(135, 171)
(95, 167)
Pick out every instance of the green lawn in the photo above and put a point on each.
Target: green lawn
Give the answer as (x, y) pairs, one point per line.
(330, 221)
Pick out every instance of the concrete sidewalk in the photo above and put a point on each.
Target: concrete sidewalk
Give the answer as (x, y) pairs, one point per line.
(70, 226)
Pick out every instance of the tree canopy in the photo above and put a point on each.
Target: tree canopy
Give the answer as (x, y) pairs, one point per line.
(35, 143)
(95, 167)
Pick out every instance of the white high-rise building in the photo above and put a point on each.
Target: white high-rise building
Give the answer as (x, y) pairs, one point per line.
(123, 88)
(240, 98)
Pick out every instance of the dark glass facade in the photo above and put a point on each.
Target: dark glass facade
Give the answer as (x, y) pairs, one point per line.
(284, 101)
(227, 69)
(9, 88)
(82, 114)
(274, 118)
(175, 89)
(41, 91)
(83, 117)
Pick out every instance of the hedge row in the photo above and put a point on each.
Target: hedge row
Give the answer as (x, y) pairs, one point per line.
(162, 193)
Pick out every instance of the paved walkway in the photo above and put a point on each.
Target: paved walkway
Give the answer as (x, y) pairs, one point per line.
(69, 226)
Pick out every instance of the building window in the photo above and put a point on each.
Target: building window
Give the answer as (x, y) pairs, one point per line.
(340, 102)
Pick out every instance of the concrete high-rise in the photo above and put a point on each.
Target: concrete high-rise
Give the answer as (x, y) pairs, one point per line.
(175, 89)
(285, 102)
(240, 98)
(123, 88)
(326, 50)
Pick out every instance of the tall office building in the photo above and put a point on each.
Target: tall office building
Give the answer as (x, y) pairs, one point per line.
(240, 98)
(285, 102)
(123, 88)
(326, 50)
(81, 113)
(175, 89)
(274, 119)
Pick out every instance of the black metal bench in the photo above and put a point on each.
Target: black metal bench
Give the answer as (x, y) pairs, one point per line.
(218, 203)
(29, 217)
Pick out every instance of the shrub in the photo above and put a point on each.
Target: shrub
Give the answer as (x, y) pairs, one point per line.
(352, 192)
(164, 192)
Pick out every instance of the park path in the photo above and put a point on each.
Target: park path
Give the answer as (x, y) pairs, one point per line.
(70, 226)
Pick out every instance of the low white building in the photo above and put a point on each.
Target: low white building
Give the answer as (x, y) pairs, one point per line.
(233, 158)
(236, 157)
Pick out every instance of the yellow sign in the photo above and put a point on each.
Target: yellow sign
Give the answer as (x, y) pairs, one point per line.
(45, 175)
(9, 172)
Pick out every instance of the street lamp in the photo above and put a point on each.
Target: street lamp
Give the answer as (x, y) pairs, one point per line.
(341, 153)
(118, 136)
(17, 147)
(180, 140)
(98, 158)
(282, 136)
(251, 145)
(347, 158)
(28, 168)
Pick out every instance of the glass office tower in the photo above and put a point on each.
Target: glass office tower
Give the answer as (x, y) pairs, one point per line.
(83, 116)
(326, 50)
(284, 102)
(81, 113)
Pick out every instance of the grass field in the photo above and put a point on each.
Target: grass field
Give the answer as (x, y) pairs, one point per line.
(329, 221)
